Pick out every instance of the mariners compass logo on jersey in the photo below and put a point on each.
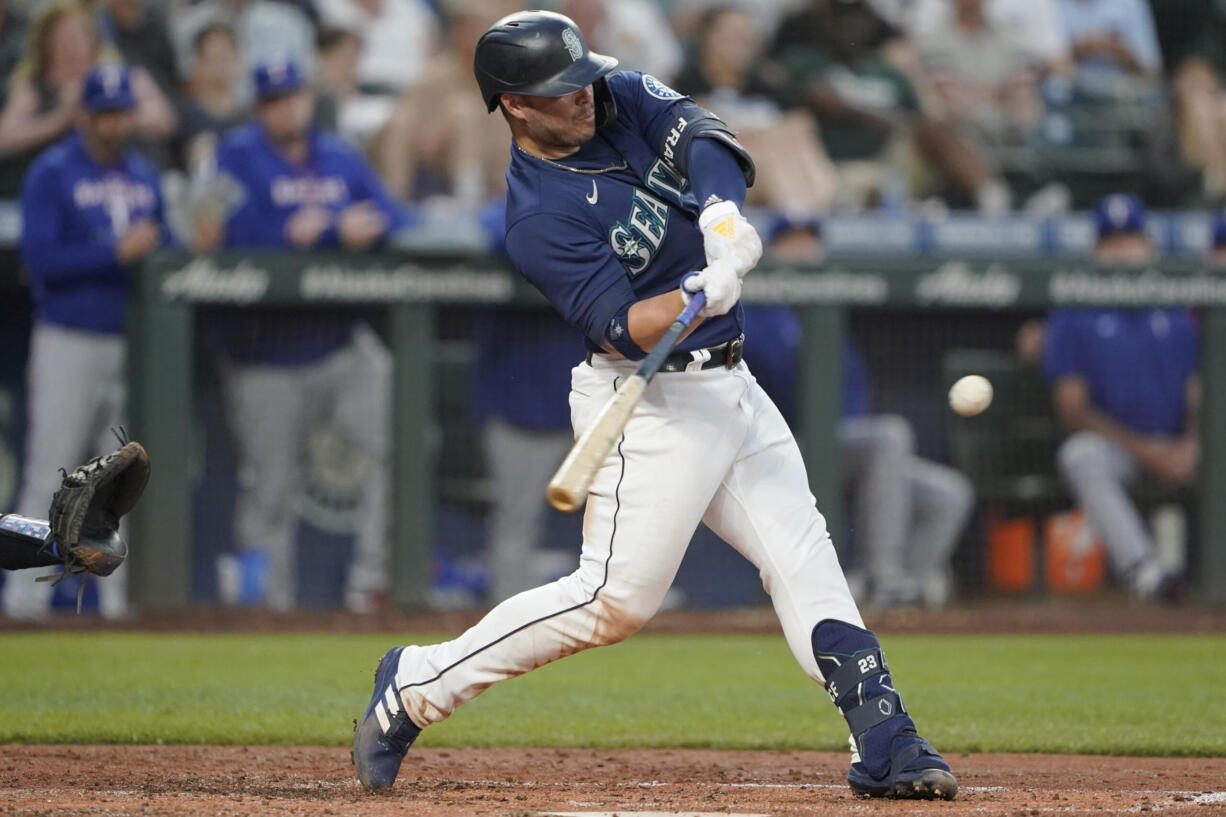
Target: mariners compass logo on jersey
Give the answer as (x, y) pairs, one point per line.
(637, 240)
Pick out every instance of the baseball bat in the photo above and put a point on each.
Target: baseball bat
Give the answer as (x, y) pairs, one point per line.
(568, 488)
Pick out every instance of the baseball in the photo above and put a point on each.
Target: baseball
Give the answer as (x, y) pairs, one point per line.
(970, 395)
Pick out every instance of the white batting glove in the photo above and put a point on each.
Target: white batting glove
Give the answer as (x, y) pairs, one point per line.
(721, 283)
(728, 234)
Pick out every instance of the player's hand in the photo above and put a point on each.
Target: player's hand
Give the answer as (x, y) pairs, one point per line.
(721, 283)
(306, 226)
(138, 241)
(361, 225)
(726, 234)
(1175, 461)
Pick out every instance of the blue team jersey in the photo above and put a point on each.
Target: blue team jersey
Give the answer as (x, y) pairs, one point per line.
(1136, 362)
(333, 177)
(73, 213)
(629, 232)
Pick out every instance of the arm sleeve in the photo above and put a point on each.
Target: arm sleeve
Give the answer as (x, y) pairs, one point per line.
(49, 257)
(1061, 347)
(714, 171)
(367, 186)
(574, 270)
(248, 224)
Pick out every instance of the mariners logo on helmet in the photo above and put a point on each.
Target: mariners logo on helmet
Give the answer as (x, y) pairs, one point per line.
(573, 46)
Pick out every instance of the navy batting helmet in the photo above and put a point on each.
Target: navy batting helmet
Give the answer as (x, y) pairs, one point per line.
(539, 53)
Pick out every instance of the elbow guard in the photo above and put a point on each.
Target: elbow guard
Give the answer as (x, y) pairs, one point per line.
(693, 122)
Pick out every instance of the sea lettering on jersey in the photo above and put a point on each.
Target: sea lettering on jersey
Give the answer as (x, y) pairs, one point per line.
(290, 191)
(635, 245)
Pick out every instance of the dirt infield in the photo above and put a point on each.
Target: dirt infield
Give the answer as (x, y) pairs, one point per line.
(280, 781)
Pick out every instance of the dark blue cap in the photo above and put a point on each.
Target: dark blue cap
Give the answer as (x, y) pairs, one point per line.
(108, 88)
(1119, 213)
(1218, 230)
(277, 77)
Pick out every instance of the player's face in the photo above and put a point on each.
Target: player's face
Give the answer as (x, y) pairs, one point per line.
(562, 124)
(1124, 248)
(110, 131)
(287, 117)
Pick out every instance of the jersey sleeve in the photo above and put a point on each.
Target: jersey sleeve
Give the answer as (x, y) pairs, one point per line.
(575, 270)
(366, 186)
(1062, 346)
(49, 257)
(248, 224)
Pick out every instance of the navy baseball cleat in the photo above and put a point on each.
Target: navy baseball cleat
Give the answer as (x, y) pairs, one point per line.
(916, 772)
(385, 732)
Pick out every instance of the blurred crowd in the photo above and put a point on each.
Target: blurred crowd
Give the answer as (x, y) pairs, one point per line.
(996, 105)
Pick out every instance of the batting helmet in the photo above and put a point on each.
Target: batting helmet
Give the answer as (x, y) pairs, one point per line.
(539, 53)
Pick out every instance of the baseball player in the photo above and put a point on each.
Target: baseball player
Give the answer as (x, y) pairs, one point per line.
(91, 208)
(1126, 387)
(301, 189)
(624, 201)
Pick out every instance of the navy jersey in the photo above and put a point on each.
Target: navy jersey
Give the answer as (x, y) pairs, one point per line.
(73, 213)
(1136, 362)
(333, 177)
(628, 232)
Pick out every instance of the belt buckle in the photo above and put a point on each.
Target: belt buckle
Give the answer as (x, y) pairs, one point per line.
(732, 353)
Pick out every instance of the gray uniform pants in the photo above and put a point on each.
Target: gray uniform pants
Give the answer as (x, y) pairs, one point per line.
(1099, 472)
(271, 410)
(521, 462)
(75, 382)
(908, 512)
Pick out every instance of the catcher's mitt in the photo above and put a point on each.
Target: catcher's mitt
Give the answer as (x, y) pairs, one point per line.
(85, 511)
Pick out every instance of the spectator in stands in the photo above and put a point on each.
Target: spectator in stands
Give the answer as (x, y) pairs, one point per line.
(867, 109)
(137, 30)
(46, 87)
(1193, 38)
(398, 38)
(985, 79)
(210, 104)
(1114, 45)
(908, 513)
(726, 74)
(91, 208)
(265, 30)
(339, 106)
(1034, 24)
(636, 32)
(13, 33)
(1126, 388)
(440, 139)
(284, 373)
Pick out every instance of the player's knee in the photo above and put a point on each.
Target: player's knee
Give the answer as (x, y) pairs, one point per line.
(1082, 453)
(614, 623)
(895, 434)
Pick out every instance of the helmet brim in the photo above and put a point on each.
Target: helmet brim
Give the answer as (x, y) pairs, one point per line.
(578, 76)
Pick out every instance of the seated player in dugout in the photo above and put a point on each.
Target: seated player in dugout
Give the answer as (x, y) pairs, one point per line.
(624, 201)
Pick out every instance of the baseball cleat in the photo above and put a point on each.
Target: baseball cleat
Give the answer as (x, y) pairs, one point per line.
(385, 733)
(917, 772)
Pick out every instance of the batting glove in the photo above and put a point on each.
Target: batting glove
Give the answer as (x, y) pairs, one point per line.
(721, 283)
(728, 234)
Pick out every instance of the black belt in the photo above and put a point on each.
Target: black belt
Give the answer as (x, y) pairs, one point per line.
(725, 355)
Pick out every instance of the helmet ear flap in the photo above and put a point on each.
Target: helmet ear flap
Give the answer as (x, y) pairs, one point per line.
(606, 106)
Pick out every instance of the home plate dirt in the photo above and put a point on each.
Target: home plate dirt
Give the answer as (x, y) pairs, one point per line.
(117, 781)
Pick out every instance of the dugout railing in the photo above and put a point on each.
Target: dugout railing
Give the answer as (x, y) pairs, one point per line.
(170, 287)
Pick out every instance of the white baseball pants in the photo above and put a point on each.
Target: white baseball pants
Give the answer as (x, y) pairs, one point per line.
(705, 445)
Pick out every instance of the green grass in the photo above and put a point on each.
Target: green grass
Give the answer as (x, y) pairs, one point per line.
(1128, 695)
